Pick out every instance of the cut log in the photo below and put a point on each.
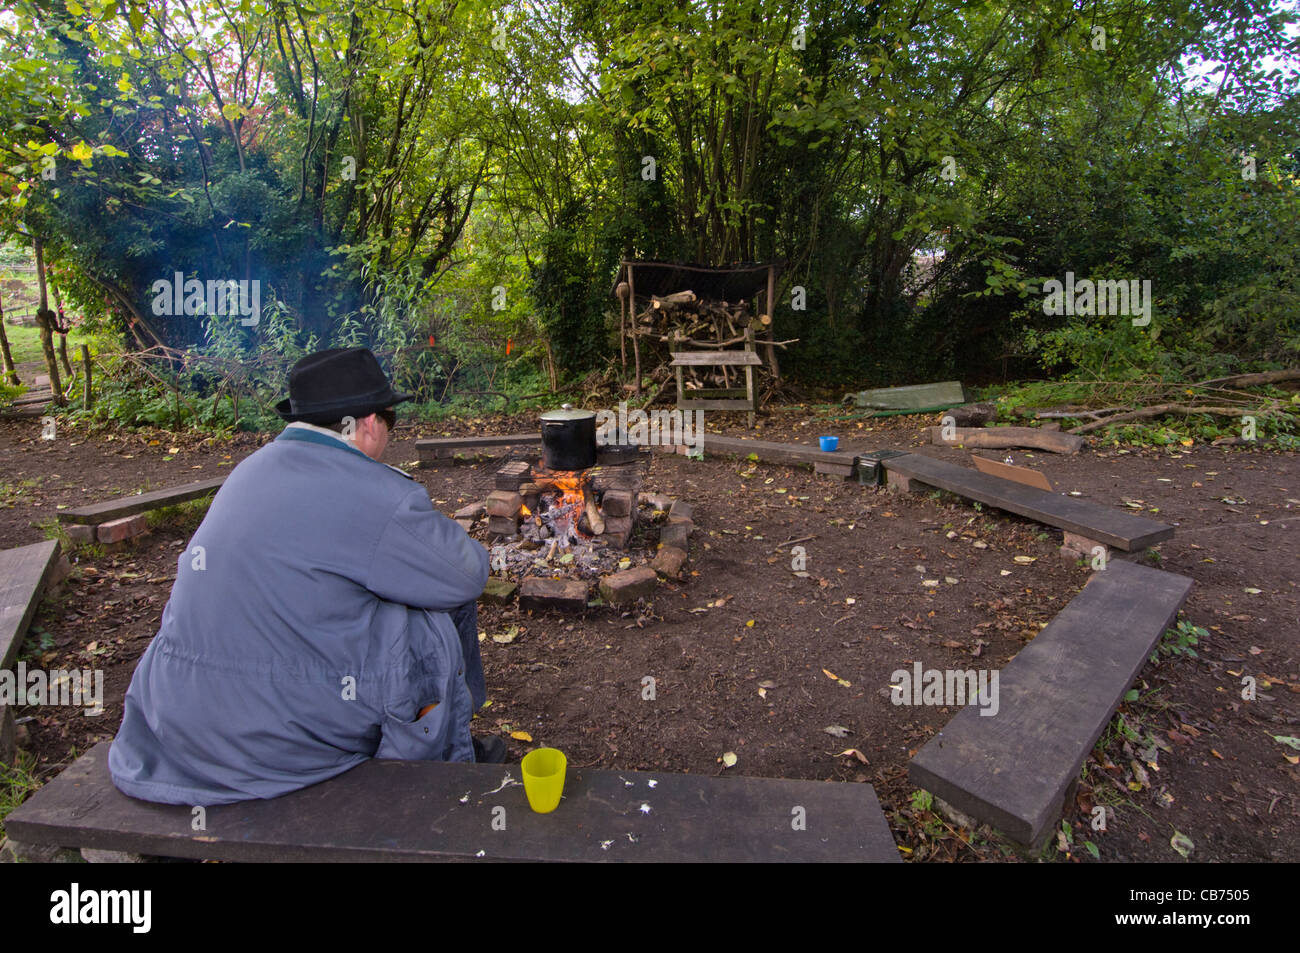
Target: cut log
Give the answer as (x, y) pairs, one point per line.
(1001, 438)
(674, 300)
(971, 415)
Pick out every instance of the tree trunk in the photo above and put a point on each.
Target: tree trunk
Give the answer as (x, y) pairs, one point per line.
(45, 317)
(63, 335)
(88, 395)
(11, 372)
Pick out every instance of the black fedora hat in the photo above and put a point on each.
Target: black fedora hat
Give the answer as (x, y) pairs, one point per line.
(341, 382)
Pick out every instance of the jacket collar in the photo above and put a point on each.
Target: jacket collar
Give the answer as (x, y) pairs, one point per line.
(323, 436)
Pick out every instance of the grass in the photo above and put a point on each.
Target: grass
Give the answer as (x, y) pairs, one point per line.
(17, 781)
(25, 344)
(182, 516)
(11, 493)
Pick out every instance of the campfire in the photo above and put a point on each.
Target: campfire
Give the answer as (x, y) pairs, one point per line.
(558, 524)
(568, 512)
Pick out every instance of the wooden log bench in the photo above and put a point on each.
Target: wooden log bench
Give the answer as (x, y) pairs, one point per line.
(97, 513)
(432, 451)
(839, 463)
(423, 811)
(1014, 769)
(1086, 524)
(25, 573)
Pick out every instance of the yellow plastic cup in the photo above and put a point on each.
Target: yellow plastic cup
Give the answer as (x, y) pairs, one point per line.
(543, 770)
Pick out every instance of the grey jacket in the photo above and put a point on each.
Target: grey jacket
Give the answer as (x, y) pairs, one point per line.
(307, 627)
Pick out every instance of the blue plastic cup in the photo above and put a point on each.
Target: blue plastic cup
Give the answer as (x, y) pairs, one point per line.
(829, 444)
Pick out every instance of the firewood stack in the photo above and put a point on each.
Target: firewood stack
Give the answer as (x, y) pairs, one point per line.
(683, 320)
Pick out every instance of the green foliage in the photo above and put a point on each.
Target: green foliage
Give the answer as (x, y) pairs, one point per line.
(17, 782)
(919, 171)
(1180, 640)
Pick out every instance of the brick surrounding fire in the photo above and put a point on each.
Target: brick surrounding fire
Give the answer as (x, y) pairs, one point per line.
(629, 585)
(511, 476)
(569, 595)
(617, 503)
(668, 561)
(504, 503)
(676, 534)
(498, 591)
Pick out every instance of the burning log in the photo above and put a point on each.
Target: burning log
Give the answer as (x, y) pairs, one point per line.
(594, 519)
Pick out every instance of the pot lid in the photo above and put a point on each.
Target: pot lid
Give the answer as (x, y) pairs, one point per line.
(567, 412)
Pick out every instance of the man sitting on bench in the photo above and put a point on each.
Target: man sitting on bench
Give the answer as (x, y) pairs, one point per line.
(322, 614)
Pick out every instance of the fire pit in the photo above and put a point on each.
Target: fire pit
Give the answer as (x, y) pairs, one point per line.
(554, 530)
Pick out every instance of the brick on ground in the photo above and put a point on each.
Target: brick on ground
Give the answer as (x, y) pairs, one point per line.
(676, 534)
(80, 532)
(629, 585)
(568, 595)
(669, 561)
(498, 591)
(504, 503)
(616, 503)
(125, 528)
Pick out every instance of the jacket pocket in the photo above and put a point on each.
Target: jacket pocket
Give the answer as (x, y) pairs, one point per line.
(425, 739)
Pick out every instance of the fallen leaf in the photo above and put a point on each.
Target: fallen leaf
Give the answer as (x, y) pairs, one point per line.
(829, 674)
(838, 731)
(853, 753)
(1025, 560)
(1181, 843)
(521, 736)
(749, 624)
(1288, 740)
(729, 759)
(506, 637)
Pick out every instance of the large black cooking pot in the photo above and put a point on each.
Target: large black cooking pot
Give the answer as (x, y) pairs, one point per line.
(569, 438)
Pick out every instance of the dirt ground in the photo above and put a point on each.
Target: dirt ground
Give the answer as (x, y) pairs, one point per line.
(750, 659)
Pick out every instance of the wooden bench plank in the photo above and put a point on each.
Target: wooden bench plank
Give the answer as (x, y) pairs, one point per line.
(1012, 769)
(470, 443)
(24, 572)
(698, 358)
(721, 403)
(769, 452)
(433, 449)
(422, 810)
(130, 505)
(1102, 523)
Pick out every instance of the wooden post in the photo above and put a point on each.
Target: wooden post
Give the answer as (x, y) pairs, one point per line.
(622, 327)
(88, 395)
(677, 346)
(770, 304)
(636, 340)
(749, 375)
